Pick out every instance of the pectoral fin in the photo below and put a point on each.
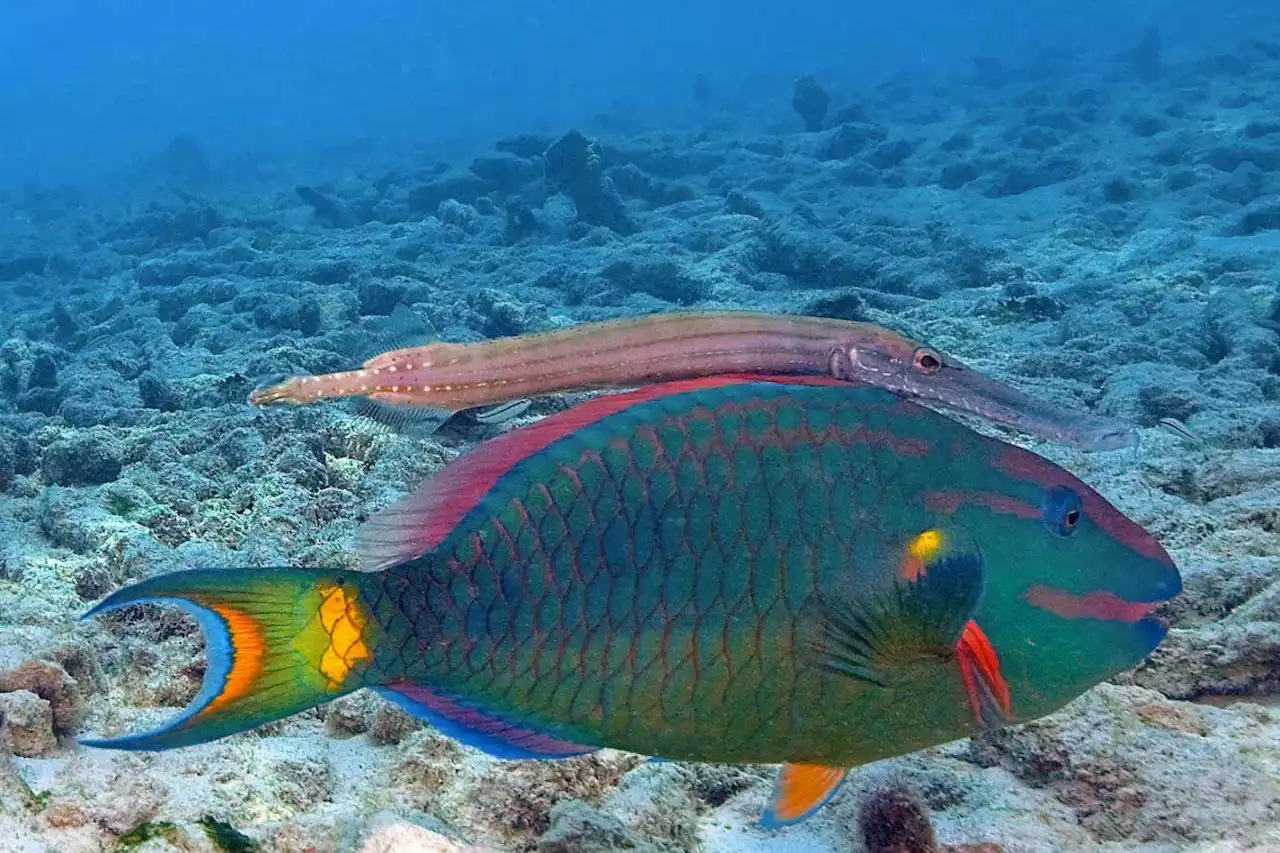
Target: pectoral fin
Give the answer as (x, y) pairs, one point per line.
(800, 790)
(989, 695)
(501, 413)
(924, 616)
(875, 635)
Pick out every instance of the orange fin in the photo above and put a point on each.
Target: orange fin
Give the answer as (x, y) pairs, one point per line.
(800, 790)
(989, 695)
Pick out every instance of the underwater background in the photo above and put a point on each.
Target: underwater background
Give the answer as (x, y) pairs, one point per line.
(1079, 199)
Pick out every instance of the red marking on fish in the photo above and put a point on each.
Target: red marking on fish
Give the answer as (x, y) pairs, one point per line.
(510, 733)
(1027, 466)
(914, 447)
(979, 661)
(948, 502)
(1098, 604)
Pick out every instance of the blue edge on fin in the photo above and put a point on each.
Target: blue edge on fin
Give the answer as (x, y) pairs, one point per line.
(218, 652)
(475, 726)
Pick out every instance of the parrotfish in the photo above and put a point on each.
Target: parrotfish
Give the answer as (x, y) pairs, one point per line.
(737, 569)
(438, 379)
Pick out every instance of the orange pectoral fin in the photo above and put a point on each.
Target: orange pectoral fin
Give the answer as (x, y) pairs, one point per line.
(989, 695)
(800, 790)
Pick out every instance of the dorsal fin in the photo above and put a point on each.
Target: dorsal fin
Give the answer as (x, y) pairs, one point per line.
(419, 521)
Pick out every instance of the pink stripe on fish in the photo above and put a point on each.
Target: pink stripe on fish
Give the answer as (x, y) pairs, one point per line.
(478, 723)
(949, 501)
(1106, 606)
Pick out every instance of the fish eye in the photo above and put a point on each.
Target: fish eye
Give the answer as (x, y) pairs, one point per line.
(926, 360)
(1062, 510)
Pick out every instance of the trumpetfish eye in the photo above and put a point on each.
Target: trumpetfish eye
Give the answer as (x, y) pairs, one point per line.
(926, 360)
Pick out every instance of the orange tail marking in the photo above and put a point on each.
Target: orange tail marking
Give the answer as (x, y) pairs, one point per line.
(248, 648)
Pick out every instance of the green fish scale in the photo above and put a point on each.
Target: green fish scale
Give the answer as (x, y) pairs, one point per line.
(650, 582)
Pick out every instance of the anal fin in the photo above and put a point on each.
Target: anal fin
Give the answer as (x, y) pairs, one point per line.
(799, 791)
(476, 726)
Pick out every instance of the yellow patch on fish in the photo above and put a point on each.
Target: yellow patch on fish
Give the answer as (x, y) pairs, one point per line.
(343, 619)
(919, 552)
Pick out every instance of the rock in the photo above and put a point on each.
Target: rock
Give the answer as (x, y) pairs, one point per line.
(848, 140)
(1133, 765)
(810, 101)
(51, 683)
(83, 458)
(348, 715)
(408, 838)
(27, 721)
(893, 819)
(460, 186)
(574, 168)
(506, 171)
(579, 828)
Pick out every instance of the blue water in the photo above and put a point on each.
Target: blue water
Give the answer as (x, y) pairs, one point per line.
(91, 85)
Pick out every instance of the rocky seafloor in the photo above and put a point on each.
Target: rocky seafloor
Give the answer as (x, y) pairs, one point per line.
(1102, 234)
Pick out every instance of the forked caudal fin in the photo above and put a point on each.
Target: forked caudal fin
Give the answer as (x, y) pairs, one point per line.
(278, 641)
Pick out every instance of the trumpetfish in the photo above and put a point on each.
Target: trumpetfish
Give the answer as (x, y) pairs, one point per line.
(437, 380)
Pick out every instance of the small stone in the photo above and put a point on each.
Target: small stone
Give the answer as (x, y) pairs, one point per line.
(347, 716)
(894, 820)
(64, 813)
(51, 683)
(576, 827)
(392, 725)
(408, 838)
(129, 800)
(86, 458)
(28, 720)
